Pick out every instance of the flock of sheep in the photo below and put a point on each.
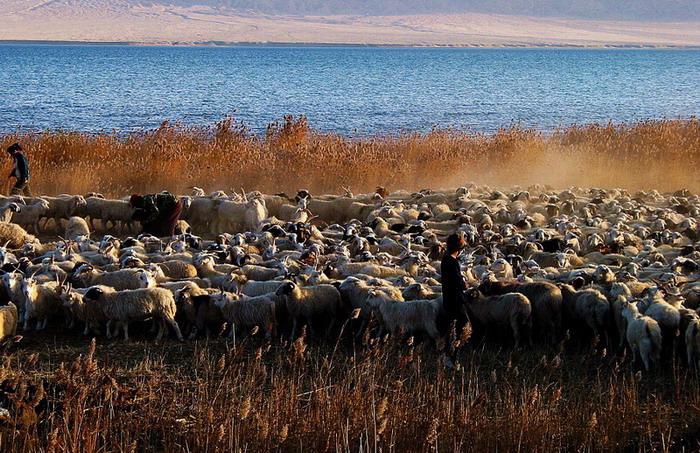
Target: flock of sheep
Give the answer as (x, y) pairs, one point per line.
(608, 264)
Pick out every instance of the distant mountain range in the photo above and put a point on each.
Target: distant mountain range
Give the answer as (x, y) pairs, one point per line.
(596, 23)
(644, 10)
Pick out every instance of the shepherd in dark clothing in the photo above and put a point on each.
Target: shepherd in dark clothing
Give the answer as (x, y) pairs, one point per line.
(157, 212)
(453, 300)
(20, 171)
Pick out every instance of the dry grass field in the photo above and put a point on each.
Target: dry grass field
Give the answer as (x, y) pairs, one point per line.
(67, 395)
(655, 154)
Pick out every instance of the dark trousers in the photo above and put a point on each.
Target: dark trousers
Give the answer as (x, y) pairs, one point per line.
(21, 187)
(164, 224)
(456, 319)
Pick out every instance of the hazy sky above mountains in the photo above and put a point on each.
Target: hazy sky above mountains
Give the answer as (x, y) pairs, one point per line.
(644, 10)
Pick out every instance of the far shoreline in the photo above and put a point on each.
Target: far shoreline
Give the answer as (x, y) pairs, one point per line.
(223, 44)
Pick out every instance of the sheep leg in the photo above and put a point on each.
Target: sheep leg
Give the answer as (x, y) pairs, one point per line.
(292, 335)
(125, 326)
(635, 353)
(109, 329)
(86, 330)
(516, 331)
(104, 223)
(92, 223)
(331, 327)
(193, 333)
(175, 327)
(644, 353)
(361, 328)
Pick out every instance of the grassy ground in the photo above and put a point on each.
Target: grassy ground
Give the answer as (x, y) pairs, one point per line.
(65, 395)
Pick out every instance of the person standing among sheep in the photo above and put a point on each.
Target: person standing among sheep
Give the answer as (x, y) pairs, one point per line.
(453, 299)
(20, 171)
(157, 212)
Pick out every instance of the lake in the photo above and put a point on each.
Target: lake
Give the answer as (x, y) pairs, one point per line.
(341, 89)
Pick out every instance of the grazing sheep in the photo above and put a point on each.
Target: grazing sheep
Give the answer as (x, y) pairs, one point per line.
(117, 212)
(42, 301)
(198, 311)
(255, 213)
(643, 335)
(692, 343)
(176, 269)
(120, 280)
(75, 228)
(29, 215)
(663, 313)
(416, 291)
(545, 298)
(6, 212)
(123, 307)
(305, 304)
(63, 207)
(412, 317)
(248, 312)
(588, 306)
(8, 323)
(509, 310)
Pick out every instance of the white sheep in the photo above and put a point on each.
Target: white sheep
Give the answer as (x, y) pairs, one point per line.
(76, 228)
(8, 323)
(664, 313)
(63, 207)
(6, 212)
(412, 317)
(119, 280)
(117, 212)
(643, 335)
(123, 307)
(589, 306)
(248, 312)
(692, 343)
(255, 213)
(508, 310)
(42, 301)
(29, 215)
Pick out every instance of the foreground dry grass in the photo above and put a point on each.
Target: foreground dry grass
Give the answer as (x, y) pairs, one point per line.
(65, 395)
(659, 154)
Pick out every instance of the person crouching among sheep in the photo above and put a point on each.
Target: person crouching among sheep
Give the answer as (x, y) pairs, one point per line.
(20, 171)
(157, 212)
(453, 300)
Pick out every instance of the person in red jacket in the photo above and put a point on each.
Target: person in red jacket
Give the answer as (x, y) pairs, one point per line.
(157, 212)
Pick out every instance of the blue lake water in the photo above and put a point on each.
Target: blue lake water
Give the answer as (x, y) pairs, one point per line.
(345, 90)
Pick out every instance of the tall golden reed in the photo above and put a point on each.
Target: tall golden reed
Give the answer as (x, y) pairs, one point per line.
(660, 154)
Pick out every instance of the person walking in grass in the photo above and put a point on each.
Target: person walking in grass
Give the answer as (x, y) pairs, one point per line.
(453, 299)
(20, 171)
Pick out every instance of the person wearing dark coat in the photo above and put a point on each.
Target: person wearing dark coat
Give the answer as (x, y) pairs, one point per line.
(20, 171)
(453, 298)
(157, 212)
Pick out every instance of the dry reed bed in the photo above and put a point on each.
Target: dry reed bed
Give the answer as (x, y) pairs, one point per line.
(393, 397)
(659, 154)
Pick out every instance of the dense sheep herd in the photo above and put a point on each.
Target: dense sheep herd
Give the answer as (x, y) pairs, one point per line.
(606, 267)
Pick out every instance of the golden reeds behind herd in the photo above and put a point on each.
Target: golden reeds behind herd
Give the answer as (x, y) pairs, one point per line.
(658, 154)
